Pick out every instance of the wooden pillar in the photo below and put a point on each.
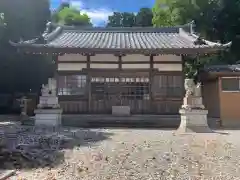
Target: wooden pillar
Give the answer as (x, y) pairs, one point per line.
(151, 75)
(89, 82)
(120, 55)
(120, 62)
(56, 75)
(118, 86)
(183, 75)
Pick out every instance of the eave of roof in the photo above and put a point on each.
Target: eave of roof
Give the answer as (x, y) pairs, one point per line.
(165, 40)
(222, 68)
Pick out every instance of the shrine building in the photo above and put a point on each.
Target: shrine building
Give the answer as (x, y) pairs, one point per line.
(138, 67)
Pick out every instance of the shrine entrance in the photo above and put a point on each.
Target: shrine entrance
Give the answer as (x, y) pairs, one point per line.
(120, 90)
(144, 92)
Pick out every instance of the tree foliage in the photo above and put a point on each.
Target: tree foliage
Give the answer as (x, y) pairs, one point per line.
(216, 20)
(124, 19)
(119, 19)
(164, 13)
(70, 16)
(144, 17)
(227, 27)
(176, 12)
(25, 20)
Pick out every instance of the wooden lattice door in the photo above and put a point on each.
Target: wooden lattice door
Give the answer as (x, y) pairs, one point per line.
(104, 94)
(120, 91)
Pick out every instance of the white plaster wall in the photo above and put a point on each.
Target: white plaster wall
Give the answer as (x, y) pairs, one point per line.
(111, 57)
(135, 57)
(167, 58)
(71, 66)
(104, 57)
(104, 66)
(168, 67)
(72, 57)
(135, 66)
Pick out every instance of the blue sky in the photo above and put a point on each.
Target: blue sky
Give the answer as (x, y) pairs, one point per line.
(99, 10)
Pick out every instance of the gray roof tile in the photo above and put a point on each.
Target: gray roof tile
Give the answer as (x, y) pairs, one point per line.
(223, 68)
(119, 39)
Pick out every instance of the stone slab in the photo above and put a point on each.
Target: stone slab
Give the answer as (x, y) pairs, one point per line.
(121, 110)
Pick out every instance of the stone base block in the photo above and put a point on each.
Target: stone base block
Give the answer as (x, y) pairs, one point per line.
(48, 117)
(193, 120)
(48, 101)
(121, 110)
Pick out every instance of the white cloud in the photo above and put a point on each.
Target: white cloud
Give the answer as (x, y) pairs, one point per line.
(99, 16)
(77, 4)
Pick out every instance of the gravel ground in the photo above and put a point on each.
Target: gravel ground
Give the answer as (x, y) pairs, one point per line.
(129, 154)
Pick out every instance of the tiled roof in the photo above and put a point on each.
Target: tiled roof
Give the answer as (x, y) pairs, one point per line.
(223, 68)
(120, 39)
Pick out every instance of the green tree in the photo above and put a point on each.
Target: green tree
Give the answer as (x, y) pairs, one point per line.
(227, 26)
(126, 19)
(164, 13)
(203, 12)
(144, 17)
(2, 25)
(115, 20)
(175, 12)
(71, 16)
(25, 20)
(119, 19)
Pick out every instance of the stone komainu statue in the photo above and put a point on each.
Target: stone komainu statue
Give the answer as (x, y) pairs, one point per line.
(193, 96)
(50, 88)
(192, 89)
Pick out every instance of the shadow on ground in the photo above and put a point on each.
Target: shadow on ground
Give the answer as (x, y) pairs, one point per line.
(28, 147)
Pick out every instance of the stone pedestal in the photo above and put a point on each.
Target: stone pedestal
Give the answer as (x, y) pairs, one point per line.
(48, 101)
(194, 120)
(192, 102)
(48, 117)
(121, 110)
(48, 111)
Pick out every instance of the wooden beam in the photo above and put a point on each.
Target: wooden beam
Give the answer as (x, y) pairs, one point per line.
(122, 62)
(169, 73)
(73, 62)
(65, 73)
(100, 70)
(167, 62)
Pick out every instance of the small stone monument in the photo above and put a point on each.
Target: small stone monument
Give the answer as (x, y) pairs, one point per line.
(120, 110)
(48, 110)
(24, 106)
(193, 113)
